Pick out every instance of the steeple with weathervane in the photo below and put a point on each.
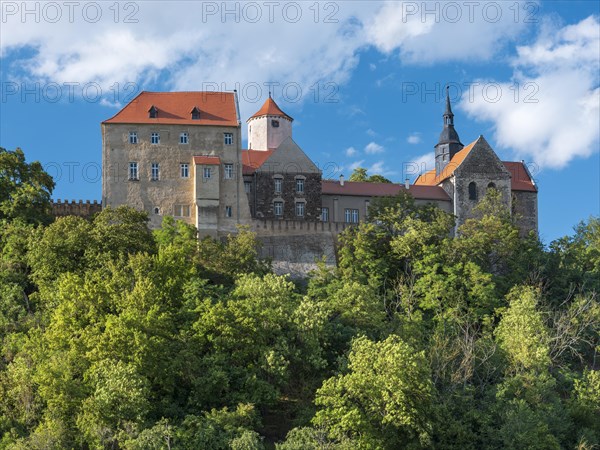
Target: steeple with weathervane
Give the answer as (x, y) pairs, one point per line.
(449, 143)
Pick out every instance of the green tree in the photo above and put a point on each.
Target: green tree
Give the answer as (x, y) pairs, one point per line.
(360, 174)
(25, 188)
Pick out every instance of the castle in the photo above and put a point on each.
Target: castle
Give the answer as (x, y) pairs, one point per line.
(180, 154)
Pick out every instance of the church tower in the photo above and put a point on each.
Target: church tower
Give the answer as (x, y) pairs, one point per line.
(268, 127)
(449, 143)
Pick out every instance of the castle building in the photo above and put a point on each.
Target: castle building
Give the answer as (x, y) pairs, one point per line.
(180, 154)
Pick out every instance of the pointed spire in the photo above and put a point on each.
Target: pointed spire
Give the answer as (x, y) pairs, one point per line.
(448, 115)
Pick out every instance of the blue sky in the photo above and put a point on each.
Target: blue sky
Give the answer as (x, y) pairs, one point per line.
(364, 82)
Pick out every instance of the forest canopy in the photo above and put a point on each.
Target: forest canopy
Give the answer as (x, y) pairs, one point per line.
(114, 336)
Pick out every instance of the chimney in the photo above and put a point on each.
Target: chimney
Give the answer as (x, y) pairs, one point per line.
(341, 180)
(406, 183)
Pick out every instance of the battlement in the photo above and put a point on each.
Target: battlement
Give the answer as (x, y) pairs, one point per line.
(296, 227)
(75, 208)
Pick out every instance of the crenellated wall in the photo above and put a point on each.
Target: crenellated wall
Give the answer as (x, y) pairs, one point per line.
(75, 208)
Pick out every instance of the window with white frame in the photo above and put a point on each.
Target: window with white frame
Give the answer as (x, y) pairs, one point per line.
(228, 211)
(228, 171)
(247, 186)
(325, 214)
(133, 171)
(278, 185)
(300, 209)
(228, 138)
(155, 138)
(278, 208)
(184, 170)
(181, 210)
(351, 215)
(184, 138)
(155, 172)
(206, 173)
(133, 138)
(300, 185)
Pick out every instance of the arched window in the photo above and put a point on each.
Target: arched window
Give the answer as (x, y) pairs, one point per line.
(472, 191)
(491, 186)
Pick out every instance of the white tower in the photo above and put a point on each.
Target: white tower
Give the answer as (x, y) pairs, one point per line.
(268, 127)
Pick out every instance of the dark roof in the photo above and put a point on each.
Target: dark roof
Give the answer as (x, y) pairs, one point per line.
(365, 189)
(216, 108)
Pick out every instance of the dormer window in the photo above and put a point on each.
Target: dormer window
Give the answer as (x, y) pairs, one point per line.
(153, 112)
(275, 123)
(195, 113)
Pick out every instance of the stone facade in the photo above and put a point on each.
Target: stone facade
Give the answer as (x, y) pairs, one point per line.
(525, 210)
(75, 208)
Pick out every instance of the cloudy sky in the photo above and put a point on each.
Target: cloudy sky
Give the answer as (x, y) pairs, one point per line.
(364, 81)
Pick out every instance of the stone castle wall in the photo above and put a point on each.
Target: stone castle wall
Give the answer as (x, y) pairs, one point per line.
(75, 208)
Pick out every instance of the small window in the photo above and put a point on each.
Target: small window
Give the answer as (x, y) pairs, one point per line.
(206, 172)
(156, 210)
(155, 172)
(472, 191)
(133, 171)
(228, 171)
(275, 123)
(247, 186)
(300, 209)
(325, 215)
(184, 138)
(300, 185)
(278, 208)
(491, 186)
(278, 185)
(133, 138)
(195, 114)
(351, 215)
(184, 170)
(181, 210)
(228, 211)
(155, 138)
(153, 112)
(228, 138)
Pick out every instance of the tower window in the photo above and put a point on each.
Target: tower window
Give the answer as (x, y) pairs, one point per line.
(228, 211)
(228, 171)
(275, 123)
(153, 112)
(491, 186)
(472, 191)
(156, 210)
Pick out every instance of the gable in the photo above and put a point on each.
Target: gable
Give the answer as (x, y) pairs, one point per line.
(288, 158)
(482, 160)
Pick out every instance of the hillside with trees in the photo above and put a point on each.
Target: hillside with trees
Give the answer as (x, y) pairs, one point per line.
(113, 336)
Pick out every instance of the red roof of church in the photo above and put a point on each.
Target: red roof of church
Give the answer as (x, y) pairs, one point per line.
(207, 160)
(363, 188)
(270, 108)
(253, 159)
(216, 108)
(520, 178)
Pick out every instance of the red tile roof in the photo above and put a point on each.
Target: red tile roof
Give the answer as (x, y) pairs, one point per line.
(253, 159)
(361, 188)
(520, 179)
(270, 108)
(216, 108)
(207, 160)
(430, 179)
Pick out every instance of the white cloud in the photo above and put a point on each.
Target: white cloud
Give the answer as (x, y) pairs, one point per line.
(373, 148)
(350, 151)
(379, 168)
(372, 67)
(554, 118)
(356, 165)
(371, 132)
(420, 164)
(414, 138)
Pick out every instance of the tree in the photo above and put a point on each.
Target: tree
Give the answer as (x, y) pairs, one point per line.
(360, 174)
(25, 189)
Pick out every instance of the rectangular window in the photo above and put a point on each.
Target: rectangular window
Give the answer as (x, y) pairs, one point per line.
(155, 172)
(133, 137)
(181, 211)
(351, 215)
(278, 208)
(228, 171)
(300, 185)
(278, 185)
(155, 138)
(325, 215)
(184, 170)
(228, 211)
(300, 209)
(247, 187)
(133, 171)
(206, 172)
(183, 138)
(228, 138)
